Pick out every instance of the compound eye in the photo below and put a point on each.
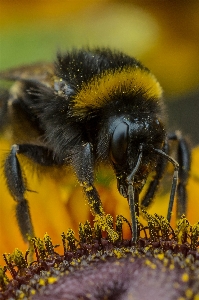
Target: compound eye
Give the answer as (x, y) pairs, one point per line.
(119, 143)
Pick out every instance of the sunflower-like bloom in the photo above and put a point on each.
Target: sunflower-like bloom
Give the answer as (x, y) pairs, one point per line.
(162, 265)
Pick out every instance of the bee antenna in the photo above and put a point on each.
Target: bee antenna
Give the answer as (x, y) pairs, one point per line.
(174, 181)
(134, 171)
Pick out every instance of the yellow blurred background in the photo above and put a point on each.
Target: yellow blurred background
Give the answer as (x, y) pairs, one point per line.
(164, 35)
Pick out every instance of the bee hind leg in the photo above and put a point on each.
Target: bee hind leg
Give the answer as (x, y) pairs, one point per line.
(17, 183)
(17, 187)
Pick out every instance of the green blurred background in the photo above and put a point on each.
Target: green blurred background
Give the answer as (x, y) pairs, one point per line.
(164, 35)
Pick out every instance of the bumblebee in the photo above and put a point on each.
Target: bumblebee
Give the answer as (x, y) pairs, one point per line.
(92, 106)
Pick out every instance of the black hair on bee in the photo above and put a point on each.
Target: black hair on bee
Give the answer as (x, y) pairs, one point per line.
(91, 106)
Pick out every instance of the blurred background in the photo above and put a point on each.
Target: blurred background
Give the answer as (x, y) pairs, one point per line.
(164, 35)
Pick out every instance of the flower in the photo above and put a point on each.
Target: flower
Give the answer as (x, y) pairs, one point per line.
(162, 265)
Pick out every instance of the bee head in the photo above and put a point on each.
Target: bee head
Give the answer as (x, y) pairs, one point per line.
(132, 152)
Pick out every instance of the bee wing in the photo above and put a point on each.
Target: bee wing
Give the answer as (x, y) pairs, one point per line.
(42, 72)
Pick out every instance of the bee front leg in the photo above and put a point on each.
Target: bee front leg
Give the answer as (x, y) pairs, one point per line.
(84, 168)
(17, 186)
(154, 184)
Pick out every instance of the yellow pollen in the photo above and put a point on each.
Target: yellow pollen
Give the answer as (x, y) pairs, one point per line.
(150, 264)
(42, 281)
(185, 277)
(189, 293)
(51, 280)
